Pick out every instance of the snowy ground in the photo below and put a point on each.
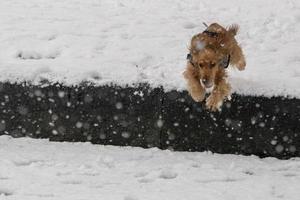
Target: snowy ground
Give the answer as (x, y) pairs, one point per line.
(130, 41)
(37, 169)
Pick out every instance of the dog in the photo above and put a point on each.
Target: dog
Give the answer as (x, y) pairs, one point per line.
(211, 52)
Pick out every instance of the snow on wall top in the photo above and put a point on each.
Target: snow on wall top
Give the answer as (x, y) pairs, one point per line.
(130, 41)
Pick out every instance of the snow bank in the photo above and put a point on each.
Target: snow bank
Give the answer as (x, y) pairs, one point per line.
(37, 169)
(132, 41)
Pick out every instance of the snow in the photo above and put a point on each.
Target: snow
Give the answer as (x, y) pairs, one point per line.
(133, 41)
(38, 169)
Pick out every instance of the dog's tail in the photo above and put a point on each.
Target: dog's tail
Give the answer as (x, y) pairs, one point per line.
(233, 29)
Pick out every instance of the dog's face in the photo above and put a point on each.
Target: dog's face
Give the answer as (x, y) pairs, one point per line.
(206, 62)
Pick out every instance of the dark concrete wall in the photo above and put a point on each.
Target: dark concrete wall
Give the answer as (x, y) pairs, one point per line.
(149, 117)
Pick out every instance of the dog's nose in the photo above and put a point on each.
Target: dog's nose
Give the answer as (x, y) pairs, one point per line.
(204, 81)
(207, 83)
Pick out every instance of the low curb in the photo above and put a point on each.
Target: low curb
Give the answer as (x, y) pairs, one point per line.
(150, 117)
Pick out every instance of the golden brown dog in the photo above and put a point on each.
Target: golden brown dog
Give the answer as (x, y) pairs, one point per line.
(210, 54)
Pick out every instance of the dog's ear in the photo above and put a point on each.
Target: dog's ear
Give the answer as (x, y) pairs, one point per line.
(233, 29)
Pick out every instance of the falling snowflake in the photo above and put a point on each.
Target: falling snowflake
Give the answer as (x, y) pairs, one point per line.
(79, 125)
(159, 123)
(61, 94)
(119, 105)
(125, 134)
(54, 132)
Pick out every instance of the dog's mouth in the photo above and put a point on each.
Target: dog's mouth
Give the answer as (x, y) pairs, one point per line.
(206, 84)
(209, 86)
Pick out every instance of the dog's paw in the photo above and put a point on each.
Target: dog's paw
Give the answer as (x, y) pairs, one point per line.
(229, 97)
(213, 103)
(197, 96)
(241, 65)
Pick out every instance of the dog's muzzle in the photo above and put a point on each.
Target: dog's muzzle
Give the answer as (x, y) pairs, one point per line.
(206, 83)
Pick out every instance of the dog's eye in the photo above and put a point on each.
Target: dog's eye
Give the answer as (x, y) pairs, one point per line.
(212, 65)
(200, 65)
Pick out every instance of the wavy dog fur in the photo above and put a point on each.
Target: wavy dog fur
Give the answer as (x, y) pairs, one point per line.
(205, 70)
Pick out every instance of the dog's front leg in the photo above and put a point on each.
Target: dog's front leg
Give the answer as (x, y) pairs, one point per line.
(194, 87)
(219, 93)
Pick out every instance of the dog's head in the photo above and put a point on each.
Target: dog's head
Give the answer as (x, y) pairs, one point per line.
(225, 35)
(216, 28)
(206, 62)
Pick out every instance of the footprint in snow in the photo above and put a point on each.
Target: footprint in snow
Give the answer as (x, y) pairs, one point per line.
(291, 175)
(146, 180)
(34, 55)
(189, 25)
(4, 178)
(141, 174)
(94, 75)
(5, 192)
(168, 174)
(90, 173)
(23, 162)
(248, 172)
(48, 37)
(196, 165)
(51, 37)
(226, 180)
(63, 173)
(72, 182)
(108, 161)
(130, 197)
